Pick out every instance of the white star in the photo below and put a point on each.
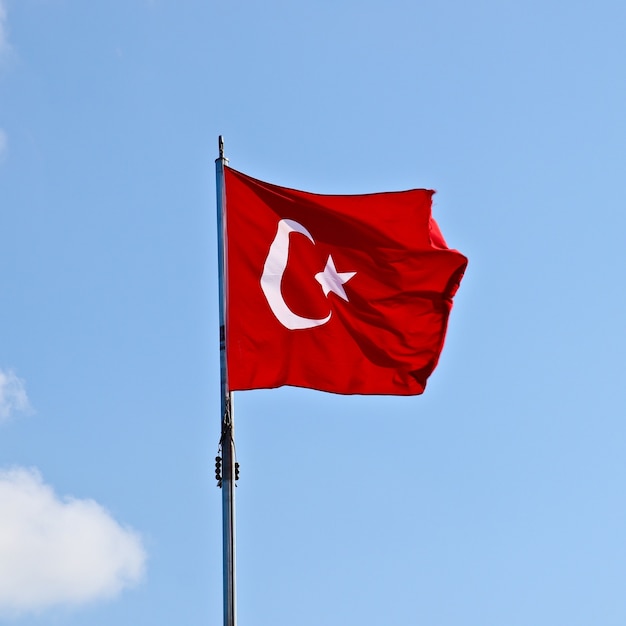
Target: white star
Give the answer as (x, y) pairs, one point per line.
(332, 280)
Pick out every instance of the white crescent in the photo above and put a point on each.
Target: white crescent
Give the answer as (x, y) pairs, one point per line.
(273, 271)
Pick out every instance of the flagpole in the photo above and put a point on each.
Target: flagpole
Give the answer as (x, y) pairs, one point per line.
(227, 418)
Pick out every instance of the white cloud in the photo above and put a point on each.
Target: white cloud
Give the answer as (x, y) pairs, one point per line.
(4, 44)
(59, 551)
(13, 398)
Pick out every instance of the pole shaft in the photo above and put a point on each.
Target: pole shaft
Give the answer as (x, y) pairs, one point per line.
(227, 418)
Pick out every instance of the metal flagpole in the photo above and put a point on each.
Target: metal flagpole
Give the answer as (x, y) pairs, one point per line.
(227, 473)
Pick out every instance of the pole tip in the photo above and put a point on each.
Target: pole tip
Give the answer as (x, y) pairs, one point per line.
(220, 143)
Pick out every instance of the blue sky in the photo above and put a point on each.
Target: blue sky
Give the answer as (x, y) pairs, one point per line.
(495, 498)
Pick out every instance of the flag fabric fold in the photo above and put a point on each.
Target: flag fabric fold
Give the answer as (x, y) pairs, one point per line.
(346, 294)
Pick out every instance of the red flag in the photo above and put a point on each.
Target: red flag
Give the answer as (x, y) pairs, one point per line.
(348, 294)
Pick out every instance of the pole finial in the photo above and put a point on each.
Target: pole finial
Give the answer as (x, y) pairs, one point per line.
(220, 143)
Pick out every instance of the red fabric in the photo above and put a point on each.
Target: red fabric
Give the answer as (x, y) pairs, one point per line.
(391, 262)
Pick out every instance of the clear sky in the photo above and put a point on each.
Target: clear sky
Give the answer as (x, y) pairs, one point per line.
(495, 499)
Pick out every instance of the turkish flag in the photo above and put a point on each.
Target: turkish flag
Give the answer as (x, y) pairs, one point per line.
(347, 294)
